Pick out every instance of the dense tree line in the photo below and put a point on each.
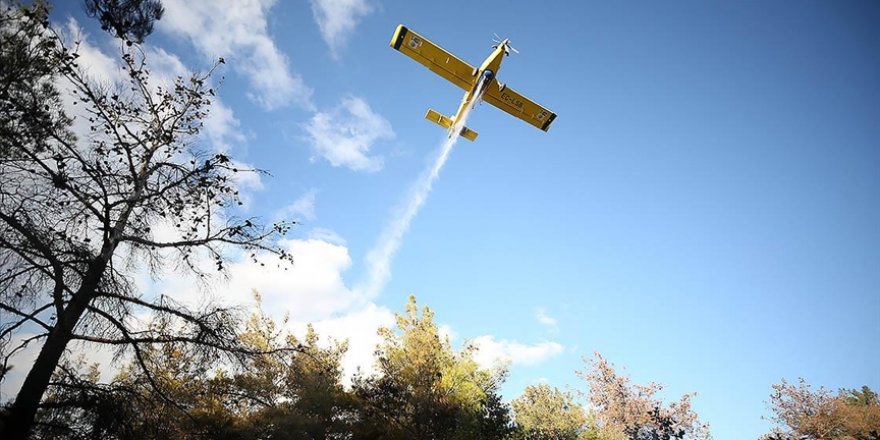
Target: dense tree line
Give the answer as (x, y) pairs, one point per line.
(78, 211)
(421, 387)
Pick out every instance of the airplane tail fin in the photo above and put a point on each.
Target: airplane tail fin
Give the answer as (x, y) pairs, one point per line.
(446, 123)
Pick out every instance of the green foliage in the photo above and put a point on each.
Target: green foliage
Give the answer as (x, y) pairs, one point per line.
(424, 389)
(546, 413)
(170, 392)
(30, 105)
(864, 397)
(130, 20)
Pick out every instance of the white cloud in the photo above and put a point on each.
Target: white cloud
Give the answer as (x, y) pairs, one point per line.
(238, 30)
(97, 65)
(360, 328)
(345, 135)
(337, 20)
(327, 235)
(491, 352)
(164, 65)
(446, 331)
(545, 319)
(312, 290)
(302, 208)
(222, 128)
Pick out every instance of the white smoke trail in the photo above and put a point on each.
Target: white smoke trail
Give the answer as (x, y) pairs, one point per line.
(379, 258)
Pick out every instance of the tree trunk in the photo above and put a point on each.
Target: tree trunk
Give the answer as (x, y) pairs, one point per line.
(23, 411)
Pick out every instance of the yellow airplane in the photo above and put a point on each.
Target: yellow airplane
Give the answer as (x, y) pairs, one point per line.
(477, 83)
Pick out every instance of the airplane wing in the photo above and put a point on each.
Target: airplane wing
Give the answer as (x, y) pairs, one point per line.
(434, 57)
(507, 99)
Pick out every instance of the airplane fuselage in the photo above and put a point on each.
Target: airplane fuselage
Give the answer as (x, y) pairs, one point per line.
(487, 71)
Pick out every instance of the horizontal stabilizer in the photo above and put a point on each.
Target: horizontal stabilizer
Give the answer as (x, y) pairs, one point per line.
(435, 117)
(468, 134)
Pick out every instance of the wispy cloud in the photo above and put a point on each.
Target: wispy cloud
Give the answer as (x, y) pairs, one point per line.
(491, 352)
(545, 319)
(345, 134)
(337, 20)
(302, 208)
(222, 128)
(327, 235)
(238, 30)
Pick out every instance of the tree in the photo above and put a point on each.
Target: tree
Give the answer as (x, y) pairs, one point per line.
(278, 394)
(801, 412)
(864, 397)
(171, 403)
(129, 20)
(546, 413)
(78, 214)
(29, 101)
(305, 398)
(634, 411)
(423, 389)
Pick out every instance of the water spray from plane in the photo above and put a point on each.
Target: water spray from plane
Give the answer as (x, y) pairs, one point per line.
(379, 257)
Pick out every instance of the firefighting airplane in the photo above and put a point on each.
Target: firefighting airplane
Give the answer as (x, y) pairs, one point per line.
(477, 83)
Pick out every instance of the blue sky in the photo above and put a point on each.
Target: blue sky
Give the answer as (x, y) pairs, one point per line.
(705, 210)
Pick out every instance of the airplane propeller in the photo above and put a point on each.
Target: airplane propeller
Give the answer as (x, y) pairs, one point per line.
(498, 40)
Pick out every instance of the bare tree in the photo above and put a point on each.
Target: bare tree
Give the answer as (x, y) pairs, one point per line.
(634, 411)
(803, 412)
(78, 214)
